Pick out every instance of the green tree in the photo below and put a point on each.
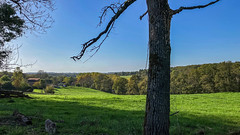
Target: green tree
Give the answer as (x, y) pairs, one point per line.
(17, 78)
(133, 85)
(68, 81)
(17, 16)
(106, 84)
(102, 82)
(223, 78)
(142, 85)
(120, 85)
(37, 85)
(236, 76)
(193, 84)
(208, 72)
(5, 82)
(85, 80)
(42, 84)
(11, 25)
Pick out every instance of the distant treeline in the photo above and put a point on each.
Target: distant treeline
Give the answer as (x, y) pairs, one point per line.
(206, 78)
(113, 83)
(123, 73)
(53, 74)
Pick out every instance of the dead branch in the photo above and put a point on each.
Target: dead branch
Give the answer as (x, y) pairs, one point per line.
(193, 7)
(107, 30)
(113, 7)
(141, 17)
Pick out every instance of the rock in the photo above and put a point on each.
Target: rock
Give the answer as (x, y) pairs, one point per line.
(50, 126)
(22, 119)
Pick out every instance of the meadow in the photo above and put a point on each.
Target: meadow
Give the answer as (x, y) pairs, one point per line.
(85, 111)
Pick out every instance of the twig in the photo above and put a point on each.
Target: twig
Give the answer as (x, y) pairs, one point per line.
(174, 113)
(141, 17)
(193, 7)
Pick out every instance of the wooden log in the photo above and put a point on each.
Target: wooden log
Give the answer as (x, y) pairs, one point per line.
(10, 93)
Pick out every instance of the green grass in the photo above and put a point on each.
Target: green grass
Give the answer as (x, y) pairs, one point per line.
(126, 77)
(89, 112)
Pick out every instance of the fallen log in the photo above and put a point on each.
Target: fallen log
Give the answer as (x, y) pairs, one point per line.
(11, 93)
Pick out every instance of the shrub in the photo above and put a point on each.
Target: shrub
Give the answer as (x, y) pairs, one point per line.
(24, 86)
(37, 85)
(5, 83)
(49, 89)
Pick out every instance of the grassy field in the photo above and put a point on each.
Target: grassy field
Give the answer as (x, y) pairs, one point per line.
(127, 77)
(89, 112)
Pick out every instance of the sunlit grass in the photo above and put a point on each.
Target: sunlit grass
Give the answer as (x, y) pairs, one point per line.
(127, 77)
(86, 111)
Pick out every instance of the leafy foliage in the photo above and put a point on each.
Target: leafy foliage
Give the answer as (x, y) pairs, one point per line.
(11, 26)
(133, 85)
(206, 78)
(120, 85)
(5, 82)
(49, 89)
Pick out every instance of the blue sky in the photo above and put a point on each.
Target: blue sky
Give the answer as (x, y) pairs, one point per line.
(208, 35)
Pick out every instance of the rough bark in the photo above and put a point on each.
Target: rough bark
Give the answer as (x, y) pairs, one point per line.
(158, 94)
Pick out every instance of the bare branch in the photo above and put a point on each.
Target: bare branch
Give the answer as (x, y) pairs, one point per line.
(35, 13)
(99, 46)
(141, 17)
(107, 30)
(193, 7)
(9, 58)
(113, 7)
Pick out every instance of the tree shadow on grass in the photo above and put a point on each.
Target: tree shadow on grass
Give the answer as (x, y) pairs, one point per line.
(79, 118)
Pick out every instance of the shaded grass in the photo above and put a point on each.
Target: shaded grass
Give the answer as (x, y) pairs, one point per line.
(86, 111)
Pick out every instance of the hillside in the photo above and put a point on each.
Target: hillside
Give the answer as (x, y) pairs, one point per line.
(79, 110)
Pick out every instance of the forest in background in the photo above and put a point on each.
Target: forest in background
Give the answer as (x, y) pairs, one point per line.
(205, 78)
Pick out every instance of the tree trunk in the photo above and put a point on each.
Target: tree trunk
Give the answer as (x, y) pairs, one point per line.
(158, 95)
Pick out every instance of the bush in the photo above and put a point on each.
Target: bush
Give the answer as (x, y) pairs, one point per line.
(49, 89)
(24, 86)
(5, 83)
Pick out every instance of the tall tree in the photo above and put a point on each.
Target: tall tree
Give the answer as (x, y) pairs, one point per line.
(17, 78)
(35, 13)
(18, 16)
(11, 27)
(158, 94)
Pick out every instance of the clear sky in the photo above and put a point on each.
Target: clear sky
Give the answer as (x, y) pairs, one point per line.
(208, 35)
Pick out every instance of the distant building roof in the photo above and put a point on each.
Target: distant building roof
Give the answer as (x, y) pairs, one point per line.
(33, 79)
